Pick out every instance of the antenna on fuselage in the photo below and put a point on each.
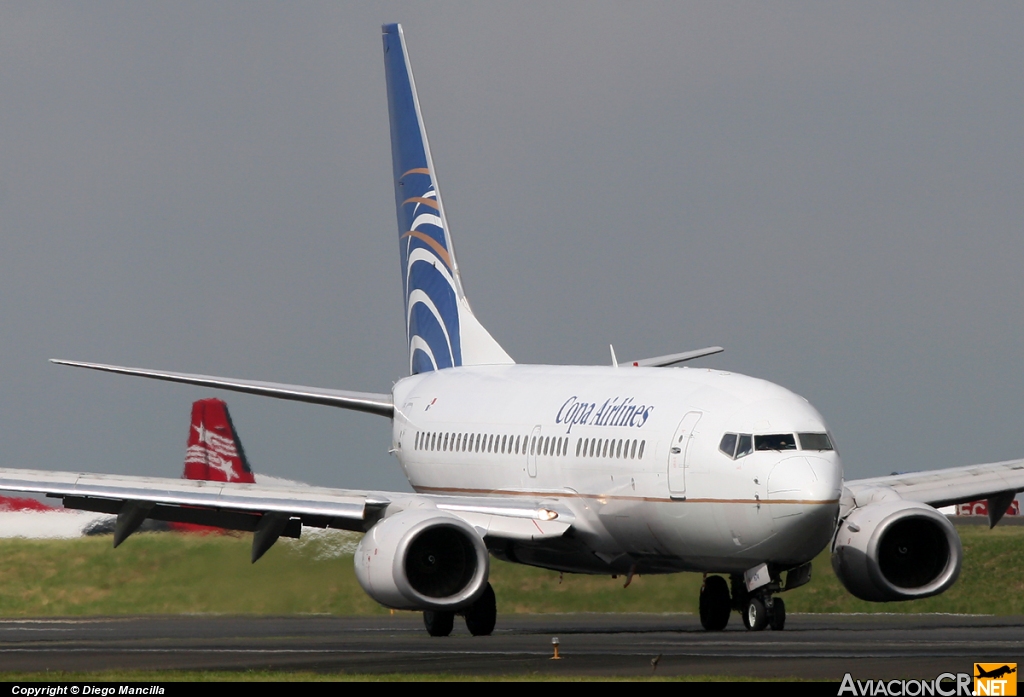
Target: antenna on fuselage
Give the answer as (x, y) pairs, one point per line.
(615, 361)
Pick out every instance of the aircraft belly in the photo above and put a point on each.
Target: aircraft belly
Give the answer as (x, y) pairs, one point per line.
(629, 523)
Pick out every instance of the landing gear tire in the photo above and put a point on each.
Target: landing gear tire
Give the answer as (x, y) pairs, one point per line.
(481, 615)
(438, 623)
(778, 620)
(715, 605)
(756, 615)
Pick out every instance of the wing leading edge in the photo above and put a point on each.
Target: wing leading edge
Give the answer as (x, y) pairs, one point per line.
(272, 512)
(997, 481)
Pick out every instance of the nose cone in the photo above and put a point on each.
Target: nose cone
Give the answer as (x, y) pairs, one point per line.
(803, 492)
(806, 479)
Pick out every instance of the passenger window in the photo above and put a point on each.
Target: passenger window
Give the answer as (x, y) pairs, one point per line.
(640, 455)
(728, 444)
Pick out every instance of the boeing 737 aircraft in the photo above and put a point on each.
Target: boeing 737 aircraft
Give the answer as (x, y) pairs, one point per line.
(630, 468)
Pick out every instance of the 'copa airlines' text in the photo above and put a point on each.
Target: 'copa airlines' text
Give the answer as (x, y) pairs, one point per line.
(612, 413)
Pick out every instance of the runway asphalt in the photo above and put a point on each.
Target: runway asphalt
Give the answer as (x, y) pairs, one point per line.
(822, 647)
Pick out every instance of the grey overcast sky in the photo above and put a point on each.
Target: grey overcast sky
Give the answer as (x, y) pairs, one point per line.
(832, 191)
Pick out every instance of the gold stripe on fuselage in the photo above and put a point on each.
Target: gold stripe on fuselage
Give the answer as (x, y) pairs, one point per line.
(612, 497)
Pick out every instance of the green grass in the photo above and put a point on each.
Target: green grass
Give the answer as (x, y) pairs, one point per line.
(165, 573)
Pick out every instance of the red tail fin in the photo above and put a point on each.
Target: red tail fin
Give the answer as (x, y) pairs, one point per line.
(214, 451)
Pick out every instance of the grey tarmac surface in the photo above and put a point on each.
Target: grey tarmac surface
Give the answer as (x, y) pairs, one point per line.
(821, 647)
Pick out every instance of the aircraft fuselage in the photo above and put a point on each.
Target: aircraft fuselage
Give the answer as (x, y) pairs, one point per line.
(636, 454)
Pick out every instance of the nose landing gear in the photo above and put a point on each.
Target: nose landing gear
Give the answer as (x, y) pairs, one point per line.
(764, 611)
(758, 609)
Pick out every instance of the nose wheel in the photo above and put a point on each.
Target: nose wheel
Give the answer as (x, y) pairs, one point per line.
(777, 618)
(764, 611)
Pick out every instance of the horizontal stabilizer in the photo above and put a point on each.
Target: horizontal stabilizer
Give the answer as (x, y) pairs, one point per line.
(369, 402)
(673, 358)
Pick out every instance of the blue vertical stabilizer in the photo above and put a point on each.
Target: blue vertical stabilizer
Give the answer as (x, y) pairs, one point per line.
(440, 326)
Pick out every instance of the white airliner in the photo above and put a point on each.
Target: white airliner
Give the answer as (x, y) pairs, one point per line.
(631, 468)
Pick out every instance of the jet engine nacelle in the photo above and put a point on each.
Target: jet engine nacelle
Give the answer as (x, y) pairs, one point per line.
(898, 550)
(422, 559)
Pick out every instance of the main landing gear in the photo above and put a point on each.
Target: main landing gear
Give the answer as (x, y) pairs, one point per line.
(480, 617)
(758, 609)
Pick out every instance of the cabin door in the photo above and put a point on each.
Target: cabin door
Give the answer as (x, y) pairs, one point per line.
(677, 452)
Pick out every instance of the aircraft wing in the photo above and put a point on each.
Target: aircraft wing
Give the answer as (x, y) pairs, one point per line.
(997, 481)
(272, 512)
(369, 402)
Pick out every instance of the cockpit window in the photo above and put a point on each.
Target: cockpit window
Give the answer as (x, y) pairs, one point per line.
(744, 447)
(775, 441)
(815, 441)
(728, 444)
(736, 445)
